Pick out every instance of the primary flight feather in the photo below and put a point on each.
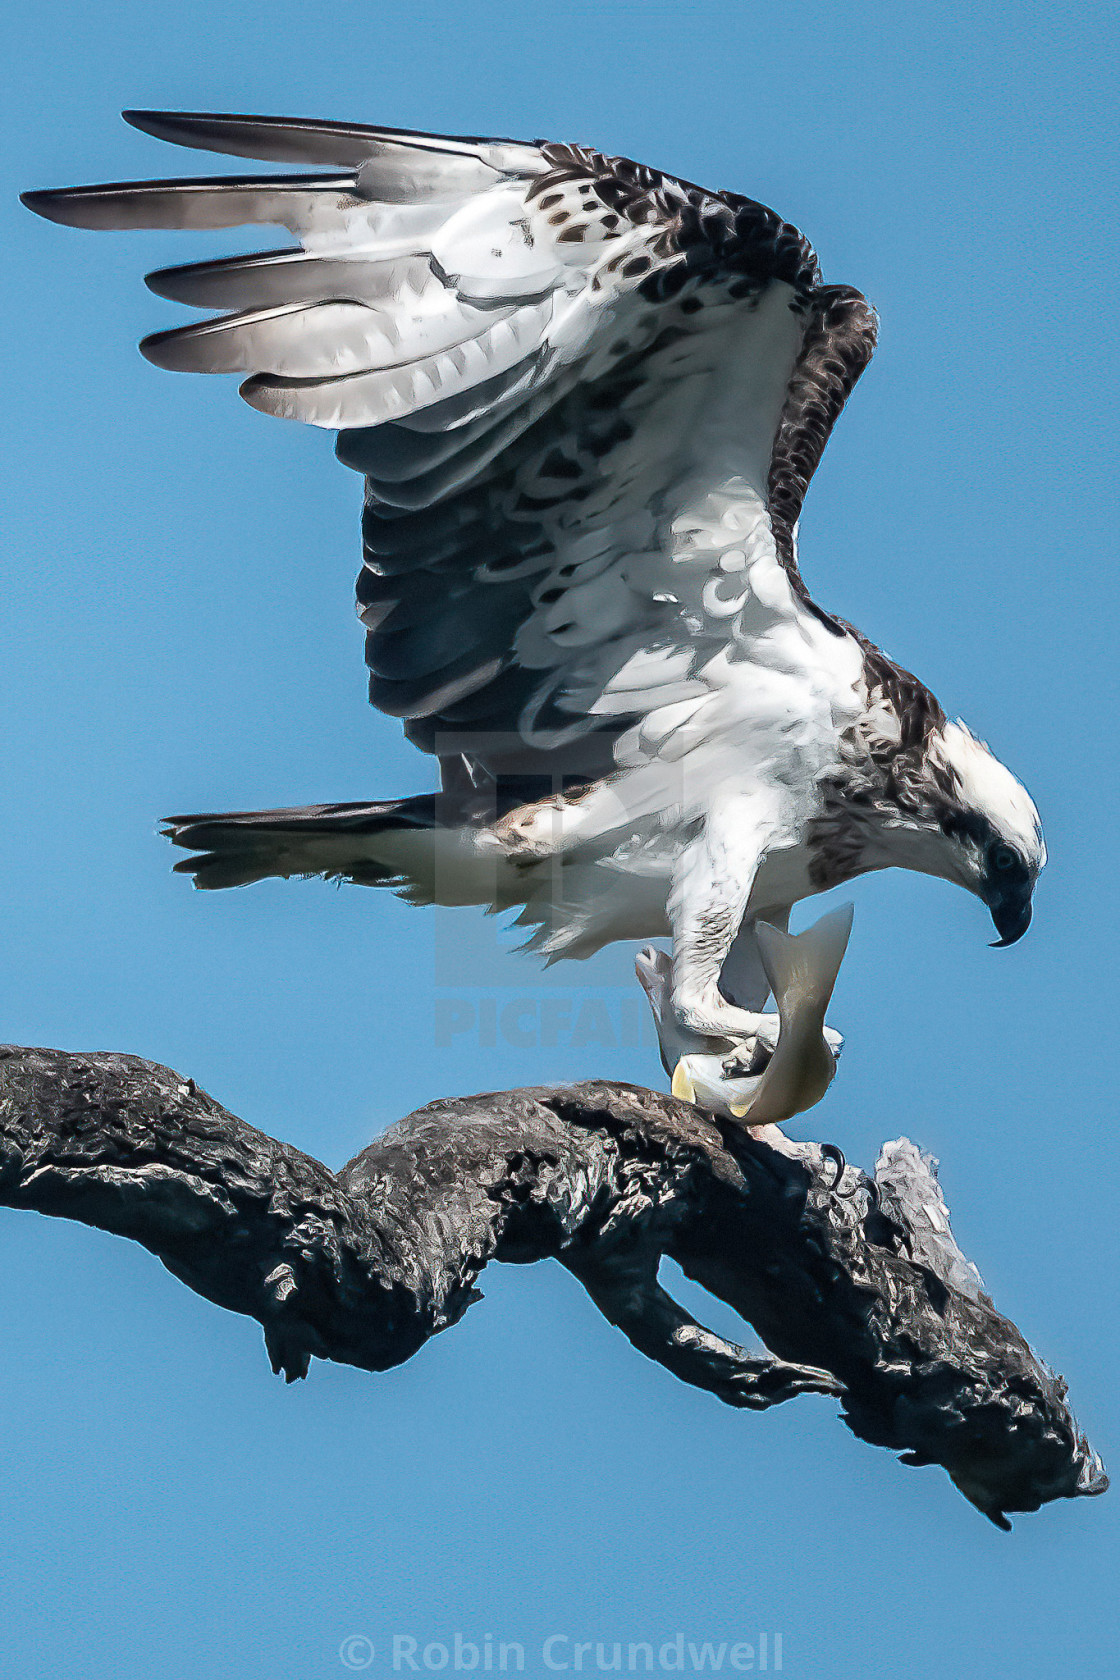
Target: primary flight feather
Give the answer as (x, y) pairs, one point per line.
(587, 399)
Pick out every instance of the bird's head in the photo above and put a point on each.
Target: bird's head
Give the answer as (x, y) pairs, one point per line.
(991, 834)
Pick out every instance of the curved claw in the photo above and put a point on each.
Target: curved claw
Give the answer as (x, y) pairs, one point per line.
(833, 1152)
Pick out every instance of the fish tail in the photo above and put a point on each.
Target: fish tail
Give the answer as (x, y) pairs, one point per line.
(802, 968)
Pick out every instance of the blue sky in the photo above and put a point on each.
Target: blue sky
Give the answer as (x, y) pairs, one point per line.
(179, 634)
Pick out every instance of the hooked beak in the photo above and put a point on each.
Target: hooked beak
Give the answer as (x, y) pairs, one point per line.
(1011, 914)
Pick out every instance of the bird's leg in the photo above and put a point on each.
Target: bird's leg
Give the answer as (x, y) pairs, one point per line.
(744, 983)
(710, 892)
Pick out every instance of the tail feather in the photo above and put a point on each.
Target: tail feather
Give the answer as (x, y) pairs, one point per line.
(238, 847)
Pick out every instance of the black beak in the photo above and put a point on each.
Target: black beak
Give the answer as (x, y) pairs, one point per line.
(1011, 912)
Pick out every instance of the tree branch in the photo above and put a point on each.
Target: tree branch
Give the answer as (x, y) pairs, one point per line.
(856, 1288)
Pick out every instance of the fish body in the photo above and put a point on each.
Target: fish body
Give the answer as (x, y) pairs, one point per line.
(802, 970)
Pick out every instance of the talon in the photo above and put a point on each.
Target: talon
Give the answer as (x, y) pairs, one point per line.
(742, 1064)
(832, 1152)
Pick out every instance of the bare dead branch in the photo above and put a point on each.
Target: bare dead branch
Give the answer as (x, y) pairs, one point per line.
(856, 1287)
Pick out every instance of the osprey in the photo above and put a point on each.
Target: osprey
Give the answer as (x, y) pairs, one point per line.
(587, 399)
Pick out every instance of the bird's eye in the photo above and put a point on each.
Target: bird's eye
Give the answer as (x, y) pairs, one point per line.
(1004, 857)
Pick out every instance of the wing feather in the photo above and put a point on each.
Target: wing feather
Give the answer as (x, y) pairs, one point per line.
(320, 341)
(291, 201)
(335, 144)
(370, 398)
(270, 278)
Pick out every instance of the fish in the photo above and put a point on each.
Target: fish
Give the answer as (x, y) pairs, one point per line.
(802, 970)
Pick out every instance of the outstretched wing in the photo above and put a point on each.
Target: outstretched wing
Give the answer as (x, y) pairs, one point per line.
(587, 399)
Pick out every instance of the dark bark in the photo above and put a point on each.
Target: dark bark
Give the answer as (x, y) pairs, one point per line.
(856, 1288)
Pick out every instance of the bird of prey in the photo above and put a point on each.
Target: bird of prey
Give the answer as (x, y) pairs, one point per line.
(587, 399)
